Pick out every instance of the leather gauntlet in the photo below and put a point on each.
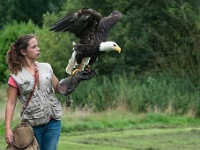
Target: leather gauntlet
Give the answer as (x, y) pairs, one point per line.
(67, 85)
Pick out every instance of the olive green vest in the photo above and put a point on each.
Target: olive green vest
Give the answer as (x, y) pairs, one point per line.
(43, 104)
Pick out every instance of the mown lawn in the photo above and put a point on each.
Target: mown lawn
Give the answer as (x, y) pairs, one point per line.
(172, 138)
(121, 130)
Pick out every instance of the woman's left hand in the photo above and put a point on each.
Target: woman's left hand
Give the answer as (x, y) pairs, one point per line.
(9, 137)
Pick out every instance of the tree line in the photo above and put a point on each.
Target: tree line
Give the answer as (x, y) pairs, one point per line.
(156, 36)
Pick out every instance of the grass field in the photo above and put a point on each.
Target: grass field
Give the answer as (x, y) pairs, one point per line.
(178, 138)
(135, 139)
(122, 130)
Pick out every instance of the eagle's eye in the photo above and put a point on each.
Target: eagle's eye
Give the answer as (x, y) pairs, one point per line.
(114, 45)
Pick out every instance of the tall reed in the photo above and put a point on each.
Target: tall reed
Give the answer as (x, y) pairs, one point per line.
(167, 94)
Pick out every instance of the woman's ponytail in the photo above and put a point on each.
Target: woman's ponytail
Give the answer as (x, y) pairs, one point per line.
(14, 59)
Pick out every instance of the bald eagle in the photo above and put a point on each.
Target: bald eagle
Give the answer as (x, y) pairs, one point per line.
(92, 31)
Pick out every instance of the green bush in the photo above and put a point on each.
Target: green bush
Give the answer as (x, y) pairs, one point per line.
(8, 35)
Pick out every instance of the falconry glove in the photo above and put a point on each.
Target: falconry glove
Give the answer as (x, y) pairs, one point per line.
(67, 85)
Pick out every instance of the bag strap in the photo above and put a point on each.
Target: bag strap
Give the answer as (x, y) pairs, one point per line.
(38, 85)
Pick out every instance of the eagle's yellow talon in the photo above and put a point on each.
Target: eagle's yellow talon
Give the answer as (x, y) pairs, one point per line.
(87, 68)
(76, 70)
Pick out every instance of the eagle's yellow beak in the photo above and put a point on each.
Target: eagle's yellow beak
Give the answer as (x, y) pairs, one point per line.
(117, 48)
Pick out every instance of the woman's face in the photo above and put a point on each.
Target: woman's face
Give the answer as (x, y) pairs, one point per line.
(33, 51)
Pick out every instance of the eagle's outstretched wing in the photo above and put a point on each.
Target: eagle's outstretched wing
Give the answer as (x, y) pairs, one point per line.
(106, 24)
(82, 23)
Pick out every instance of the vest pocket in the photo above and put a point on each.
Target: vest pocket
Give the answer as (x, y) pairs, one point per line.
(57, 112)
(55, 106)
(35, 115)
(26, 87)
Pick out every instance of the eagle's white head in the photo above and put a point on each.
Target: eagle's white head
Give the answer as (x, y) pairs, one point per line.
(109, 46)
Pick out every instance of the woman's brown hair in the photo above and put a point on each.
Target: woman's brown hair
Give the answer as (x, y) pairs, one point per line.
(14, 56)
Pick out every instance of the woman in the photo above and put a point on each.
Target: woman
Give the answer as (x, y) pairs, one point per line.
(44, 110)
